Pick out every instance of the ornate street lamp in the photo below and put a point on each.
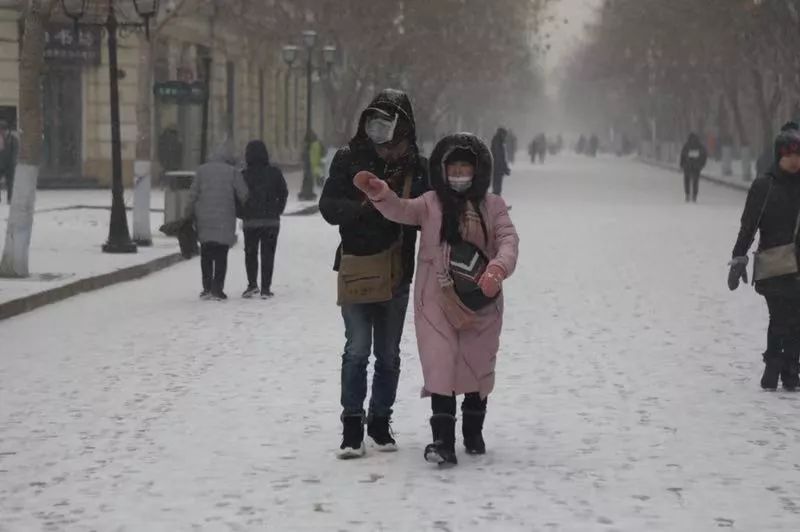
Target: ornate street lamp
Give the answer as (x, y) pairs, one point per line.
(329, 55)
(119, 238)
(146, 9)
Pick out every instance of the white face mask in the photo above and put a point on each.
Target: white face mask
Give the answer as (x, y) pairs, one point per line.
(459, 183)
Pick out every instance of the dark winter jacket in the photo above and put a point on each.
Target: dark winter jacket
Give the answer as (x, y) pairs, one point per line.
(267, 187)
(363, 230)
(694, 155)
(9, 154)
(499, 154)
(777, 224)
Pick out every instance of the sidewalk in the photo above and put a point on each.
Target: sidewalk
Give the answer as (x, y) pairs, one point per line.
(69, 228)
(712, 173)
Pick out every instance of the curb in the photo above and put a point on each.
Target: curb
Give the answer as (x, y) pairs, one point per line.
(25, 304)
(712, 179)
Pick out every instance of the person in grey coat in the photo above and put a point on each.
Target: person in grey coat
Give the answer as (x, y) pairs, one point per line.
(212, 204)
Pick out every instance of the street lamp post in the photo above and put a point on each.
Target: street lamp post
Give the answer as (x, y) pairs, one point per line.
(289, 57)
(310, 40)
(119, 238)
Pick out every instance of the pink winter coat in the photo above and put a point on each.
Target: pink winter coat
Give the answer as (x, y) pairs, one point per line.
(453, 361)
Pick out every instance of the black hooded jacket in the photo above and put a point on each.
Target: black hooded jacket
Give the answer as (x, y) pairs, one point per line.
(499, 154)
(266, 184)
(693, 155)
(780, 193)
(363, 230)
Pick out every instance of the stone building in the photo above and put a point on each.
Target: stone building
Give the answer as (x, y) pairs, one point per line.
(247, 96)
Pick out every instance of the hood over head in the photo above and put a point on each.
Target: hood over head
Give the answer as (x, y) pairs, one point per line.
(223, 153)
(256, 154)
(693, 139)
(389, 103)
(446, 149)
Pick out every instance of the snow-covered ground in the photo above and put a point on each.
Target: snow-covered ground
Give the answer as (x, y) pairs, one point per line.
(67, 246)
(627, 395)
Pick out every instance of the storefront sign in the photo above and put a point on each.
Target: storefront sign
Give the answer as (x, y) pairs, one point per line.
(180, 92)
(61, 45)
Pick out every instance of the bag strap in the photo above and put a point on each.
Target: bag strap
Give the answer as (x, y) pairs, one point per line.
(797, 227)
(764, 210)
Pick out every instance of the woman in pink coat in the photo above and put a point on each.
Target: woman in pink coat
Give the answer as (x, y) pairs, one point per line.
(467, 249)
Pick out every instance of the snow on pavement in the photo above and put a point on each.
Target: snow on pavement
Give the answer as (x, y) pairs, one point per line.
(627, 394)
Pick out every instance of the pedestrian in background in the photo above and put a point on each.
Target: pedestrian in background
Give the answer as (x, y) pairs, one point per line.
(501, 168)
(212, 203)
(693, 159)
(261, 217)
(9, 152)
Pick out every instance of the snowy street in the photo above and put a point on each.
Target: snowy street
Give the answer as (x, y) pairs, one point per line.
(627, 390)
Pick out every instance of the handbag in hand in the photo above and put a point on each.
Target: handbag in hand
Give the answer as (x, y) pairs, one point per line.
(467, 264)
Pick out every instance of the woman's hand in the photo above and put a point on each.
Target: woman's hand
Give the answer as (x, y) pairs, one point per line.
(737, 272)
(491, 282)
(370, 184)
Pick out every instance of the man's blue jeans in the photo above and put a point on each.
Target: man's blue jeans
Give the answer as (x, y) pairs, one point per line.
(378, 325)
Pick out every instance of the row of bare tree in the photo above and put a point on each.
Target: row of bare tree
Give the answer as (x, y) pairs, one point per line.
(728, 67)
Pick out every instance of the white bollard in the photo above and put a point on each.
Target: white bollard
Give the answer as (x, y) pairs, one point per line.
(141, 203)
(727, 161)
(747, 164)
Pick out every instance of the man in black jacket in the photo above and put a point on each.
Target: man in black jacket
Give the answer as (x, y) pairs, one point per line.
(772, 211)
(386, 145)
(499, 155)
(261, 217)
(9, 151)
(693, 159)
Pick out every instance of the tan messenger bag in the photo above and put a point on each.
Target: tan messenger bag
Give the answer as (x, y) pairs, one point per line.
(372, 278)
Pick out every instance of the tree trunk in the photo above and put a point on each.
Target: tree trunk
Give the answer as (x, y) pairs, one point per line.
(142, 167)
(14, 262)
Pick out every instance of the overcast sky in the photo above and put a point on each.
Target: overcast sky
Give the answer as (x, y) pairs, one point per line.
(563, 37)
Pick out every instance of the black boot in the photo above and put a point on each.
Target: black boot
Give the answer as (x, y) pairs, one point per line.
(472, 430)
(443, 449)
(773, 364)
(352, 437)
(791, 368)
(380, 431)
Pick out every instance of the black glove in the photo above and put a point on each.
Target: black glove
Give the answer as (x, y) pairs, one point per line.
(737, 272)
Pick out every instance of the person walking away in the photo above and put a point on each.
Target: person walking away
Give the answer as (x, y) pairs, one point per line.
(212, 203)
(375, 263)
(772, 212)
(533, 150)
(594, 145)
(511, 150)
(693, 159)
(317, 155)
(9, 151)
(541, 143)
(501, 168)
(261, 217)
(468, 247)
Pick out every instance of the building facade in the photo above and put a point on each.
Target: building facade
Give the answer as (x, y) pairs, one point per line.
(207, 90)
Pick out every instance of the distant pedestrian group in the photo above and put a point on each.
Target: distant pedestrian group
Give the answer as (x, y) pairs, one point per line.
(221, 193)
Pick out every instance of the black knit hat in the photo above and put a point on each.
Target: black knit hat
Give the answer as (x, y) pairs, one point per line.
(788, 141)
